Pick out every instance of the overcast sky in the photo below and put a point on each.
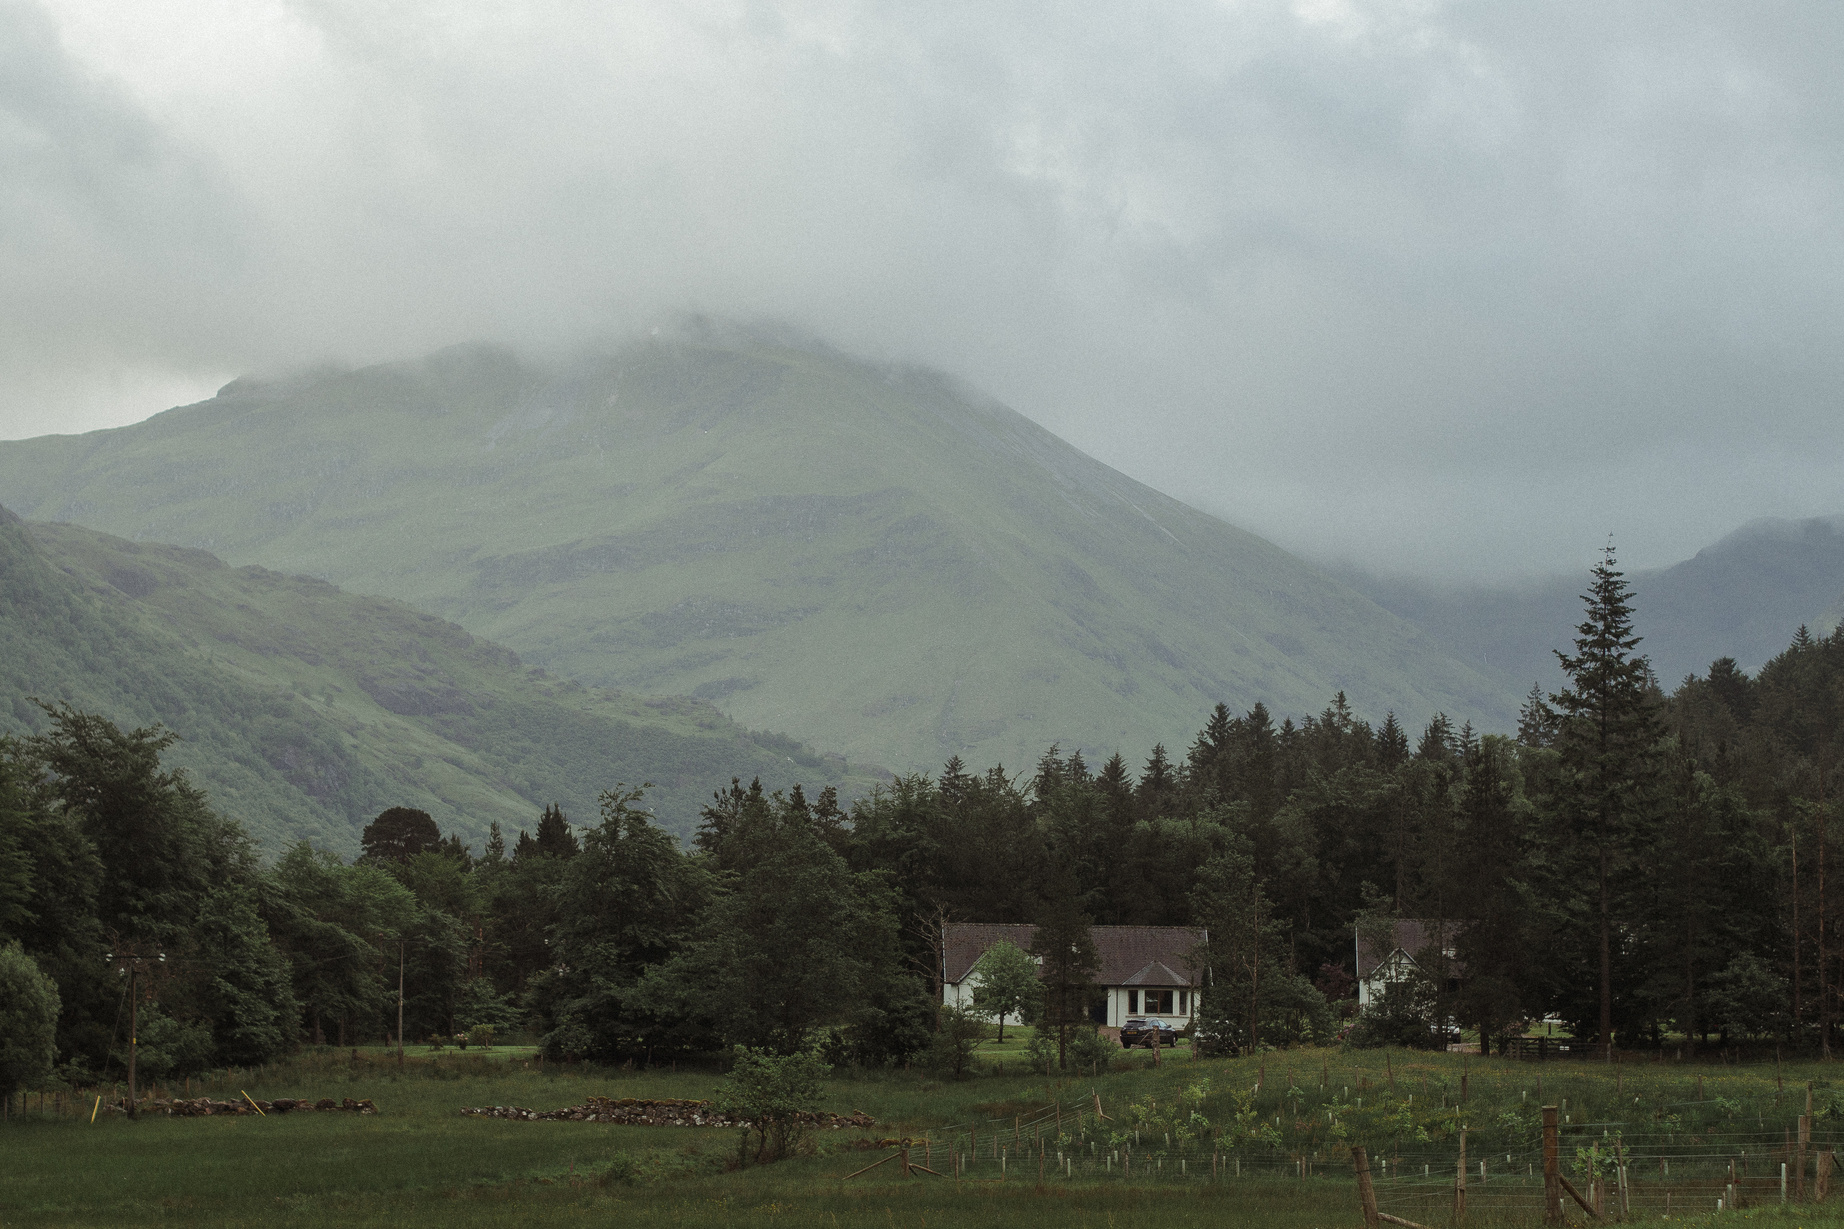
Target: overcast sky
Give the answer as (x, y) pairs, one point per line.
(1450, 288)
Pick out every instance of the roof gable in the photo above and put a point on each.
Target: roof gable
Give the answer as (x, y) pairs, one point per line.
(1410, 936)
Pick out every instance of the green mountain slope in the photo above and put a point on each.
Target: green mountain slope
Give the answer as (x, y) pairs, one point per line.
(305, 710)
(869, 556)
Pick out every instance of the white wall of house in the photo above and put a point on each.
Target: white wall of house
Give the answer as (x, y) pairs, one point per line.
(1393, 968)
(1122, 1002)
(960, 994)
(1125, 1001)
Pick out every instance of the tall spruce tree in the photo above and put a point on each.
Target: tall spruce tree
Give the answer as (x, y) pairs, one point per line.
(1066, 947)
(1608, 731)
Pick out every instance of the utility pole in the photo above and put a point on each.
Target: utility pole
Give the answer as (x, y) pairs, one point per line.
(134, 1004)
(400, 1003)
(131, 963)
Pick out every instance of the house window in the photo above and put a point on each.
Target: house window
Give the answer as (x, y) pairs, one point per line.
(1133, 1002)
(1158, 1002)
(1184, 1002)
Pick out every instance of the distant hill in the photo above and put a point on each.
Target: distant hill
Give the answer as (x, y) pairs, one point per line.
(873, 557)
(305, 710)
(1742, 597)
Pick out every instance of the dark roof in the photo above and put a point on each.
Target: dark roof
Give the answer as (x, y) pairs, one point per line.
(1130, 955)
(1413, 936)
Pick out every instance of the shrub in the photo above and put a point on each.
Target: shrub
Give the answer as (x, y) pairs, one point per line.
(1090, 1051)
(28, 1021)
(958, 1033)
(481, 1035)
(771, 1091)
(1405, 1014)
(623, 1170)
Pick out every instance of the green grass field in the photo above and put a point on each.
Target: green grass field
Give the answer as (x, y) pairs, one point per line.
(419, 1161)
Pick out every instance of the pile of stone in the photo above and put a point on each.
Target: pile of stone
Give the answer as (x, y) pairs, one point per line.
(201, 1107)
(636, 1111)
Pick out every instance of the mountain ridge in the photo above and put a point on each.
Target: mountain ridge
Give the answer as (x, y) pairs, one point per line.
(304, 711)
(1742, 596)
(871, 556)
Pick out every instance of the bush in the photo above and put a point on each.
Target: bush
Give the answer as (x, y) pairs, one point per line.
(28, 1021)
(1405, 1014)
(481, 1035)
(1042, 1049)
(623, 1170)
(771, 1091)
(958, 1033)
(1090, 1051)
(1291, 1011)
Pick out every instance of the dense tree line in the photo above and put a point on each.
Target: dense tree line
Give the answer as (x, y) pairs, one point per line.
(1646, 866)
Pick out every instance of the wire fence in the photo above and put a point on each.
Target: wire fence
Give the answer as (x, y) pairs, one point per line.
(1615, 1166)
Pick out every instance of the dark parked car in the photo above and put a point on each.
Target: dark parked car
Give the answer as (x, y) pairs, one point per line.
(1139, 1031)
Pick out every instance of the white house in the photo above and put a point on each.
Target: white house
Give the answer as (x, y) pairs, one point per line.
(1145, 970)
(1413, 944)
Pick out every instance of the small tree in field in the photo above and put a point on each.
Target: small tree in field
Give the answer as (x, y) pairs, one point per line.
(772, 1091)
(958, 1033)
(1008, 985)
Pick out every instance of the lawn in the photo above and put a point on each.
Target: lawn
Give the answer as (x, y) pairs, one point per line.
(419, 1161)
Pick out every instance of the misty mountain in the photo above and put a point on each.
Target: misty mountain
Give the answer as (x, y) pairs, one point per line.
(873, 557)
(305, 711)
(1742, 597)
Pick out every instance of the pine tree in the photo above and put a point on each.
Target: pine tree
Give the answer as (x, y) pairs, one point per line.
(496, 844)
(1115, 785)
(1051, 773)
(1158, 784)
(1392, 744)
(1437, 740)
(1609, 729)
(1536, 721)
(554, 835)
(1066, 947)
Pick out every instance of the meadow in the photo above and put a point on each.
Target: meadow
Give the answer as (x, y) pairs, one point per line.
(420, 1162)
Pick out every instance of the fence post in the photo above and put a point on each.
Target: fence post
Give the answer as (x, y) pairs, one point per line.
(1459, 1181)
(1552, 1171)
(1825, 1160)
(1366, 1194)
(1805, 1140)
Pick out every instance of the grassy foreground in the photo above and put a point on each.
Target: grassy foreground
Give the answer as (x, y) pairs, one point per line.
(419, 1162)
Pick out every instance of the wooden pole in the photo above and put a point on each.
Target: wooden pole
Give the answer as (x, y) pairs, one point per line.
(133, 1039)
(1366, 1193)
(399, 1002)
(1620, 1170)
(873, 1165)
(1459, 1182)
(1552, 1169)
(1805, 1140)
(1823, 1185)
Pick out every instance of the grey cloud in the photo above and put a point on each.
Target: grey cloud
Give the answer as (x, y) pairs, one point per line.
(1448, 287)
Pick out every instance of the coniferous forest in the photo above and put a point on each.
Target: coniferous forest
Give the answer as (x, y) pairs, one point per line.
(1655, 868)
